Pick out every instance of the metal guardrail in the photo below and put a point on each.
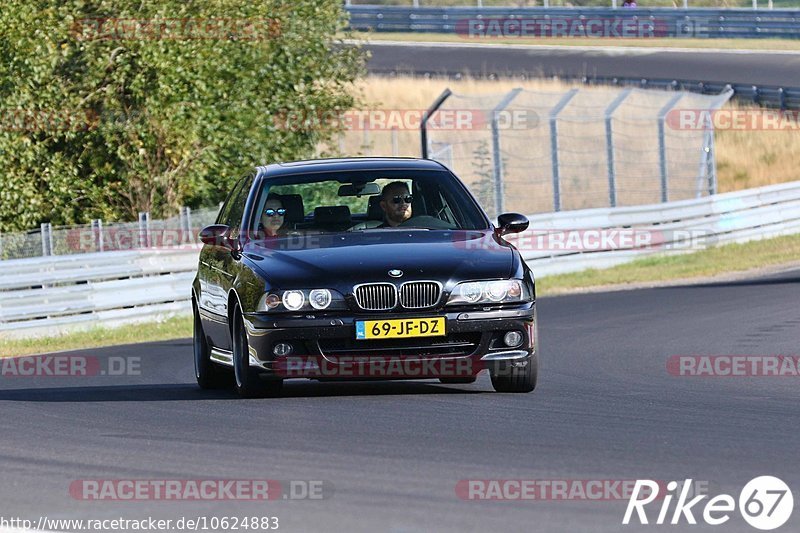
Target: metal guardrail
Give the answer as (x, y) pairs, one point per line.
(40, 296)
(670, 22)
(676, 227)
(768, 96)
(47, 295)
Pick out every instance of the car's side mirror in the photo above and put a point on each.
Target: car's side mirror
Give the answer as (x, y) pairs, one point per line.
(218, 235)
(511, 223)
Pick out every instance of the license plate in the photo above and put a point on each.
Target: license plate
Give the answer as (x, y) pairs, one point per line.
(400, 328)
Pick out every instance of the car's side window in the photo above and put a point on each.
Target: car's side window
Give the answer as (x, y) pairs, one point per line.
(238, 202)
(225, 211)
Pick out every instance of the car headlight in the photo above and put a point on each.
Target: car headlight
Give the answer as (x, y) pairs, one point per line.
(301, 300)
(293, 300)
(319, 298)
(489, 292)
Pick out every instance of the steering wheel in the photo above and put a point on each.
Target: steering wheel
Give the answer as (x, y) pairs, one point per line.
(427, 222)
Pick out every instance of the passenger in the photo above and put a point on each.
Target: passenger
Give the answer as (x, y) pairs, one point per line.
(273, 217)
(396, 204)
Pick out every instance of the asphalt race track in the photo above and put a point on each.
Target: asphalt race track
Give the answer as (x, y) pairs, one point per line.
(712, 66)
(391, 453)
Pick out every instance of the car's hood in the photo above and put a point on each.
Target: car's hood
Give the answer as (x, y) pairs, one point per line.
(342, 260)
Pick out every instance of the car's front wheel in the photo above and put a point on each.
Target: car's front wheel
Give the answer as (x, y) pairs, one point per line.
(510, 377)
(208, 375)
(247, 382)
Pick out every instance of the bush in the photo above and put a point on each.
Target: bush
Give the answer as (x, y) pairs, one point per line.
(111, 107)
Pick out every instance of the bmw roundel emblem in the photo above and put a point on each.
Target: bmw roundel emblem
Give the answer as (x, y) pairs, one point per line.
(395, 273)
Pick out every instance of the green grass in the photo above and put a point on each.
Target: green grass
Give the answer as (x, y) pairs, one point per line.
(728, 44)
(173, 328)
(778, 4)
(727, 259)
(703, 264)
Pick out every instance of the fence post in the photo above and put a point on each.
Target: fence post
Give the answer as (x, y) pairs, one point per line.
(47, 239)
(97, 231)
(1, 246)
(554, 145)
(144, 229)
(366, 143)
(612, 171)
(707, 176)
(497, 171)
(395, 142)
(662, 145)
(423, 125)
(187, 217)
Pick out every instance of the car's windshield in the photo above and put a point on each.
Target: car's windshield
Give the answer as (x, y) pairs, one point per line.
(364, 201)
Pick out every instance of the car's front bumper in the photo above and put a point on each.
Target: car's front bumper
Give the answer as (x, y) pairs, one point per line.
(324, 346)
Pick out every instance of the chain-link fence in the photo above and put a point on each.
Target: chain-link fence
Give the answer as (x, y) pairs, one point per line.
(543, 151)
(180, 230)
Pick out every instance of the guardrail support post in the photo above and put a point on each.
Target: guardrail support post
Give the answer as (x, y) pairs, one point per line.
(499, 193)
(612, 171)
(662, 145)
(144, 229)
(554, 146)
(423, 125)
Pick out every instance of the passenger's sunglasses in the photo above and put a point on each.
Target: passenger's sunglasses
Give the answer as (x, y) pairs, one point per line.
(273, 212)
(400, 199)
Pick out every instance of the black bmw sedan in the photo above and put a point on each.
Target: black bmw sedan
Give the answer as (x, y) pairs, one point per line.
(363, 268)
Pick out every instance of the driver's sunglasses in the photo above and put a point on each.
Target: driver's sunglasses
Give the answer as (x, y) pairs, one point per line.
(273, 212)
(400, 199)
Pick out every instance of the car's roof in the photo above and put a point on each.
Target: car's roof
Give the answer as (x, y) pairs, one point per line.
(346, 164)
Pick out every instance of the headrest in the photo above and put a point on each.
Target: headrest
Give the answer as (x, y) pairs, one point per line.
(332, 214)
(293, 203)
(374, 209)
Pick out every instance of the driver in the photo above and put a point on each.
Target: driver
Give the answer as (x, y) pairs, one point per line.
(396, 204)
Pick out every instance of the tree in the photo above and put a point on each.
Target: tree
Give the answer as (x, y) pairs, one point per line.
(111, 107)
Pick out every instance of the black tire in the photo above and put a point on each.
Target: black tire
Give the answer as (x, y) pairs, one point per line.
(507, 378)
(247, 380)
(208, 374)
(459, 381)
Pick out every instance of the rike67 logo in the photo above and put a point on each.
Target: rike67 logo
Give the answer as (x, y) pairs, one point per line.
(765, 503)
